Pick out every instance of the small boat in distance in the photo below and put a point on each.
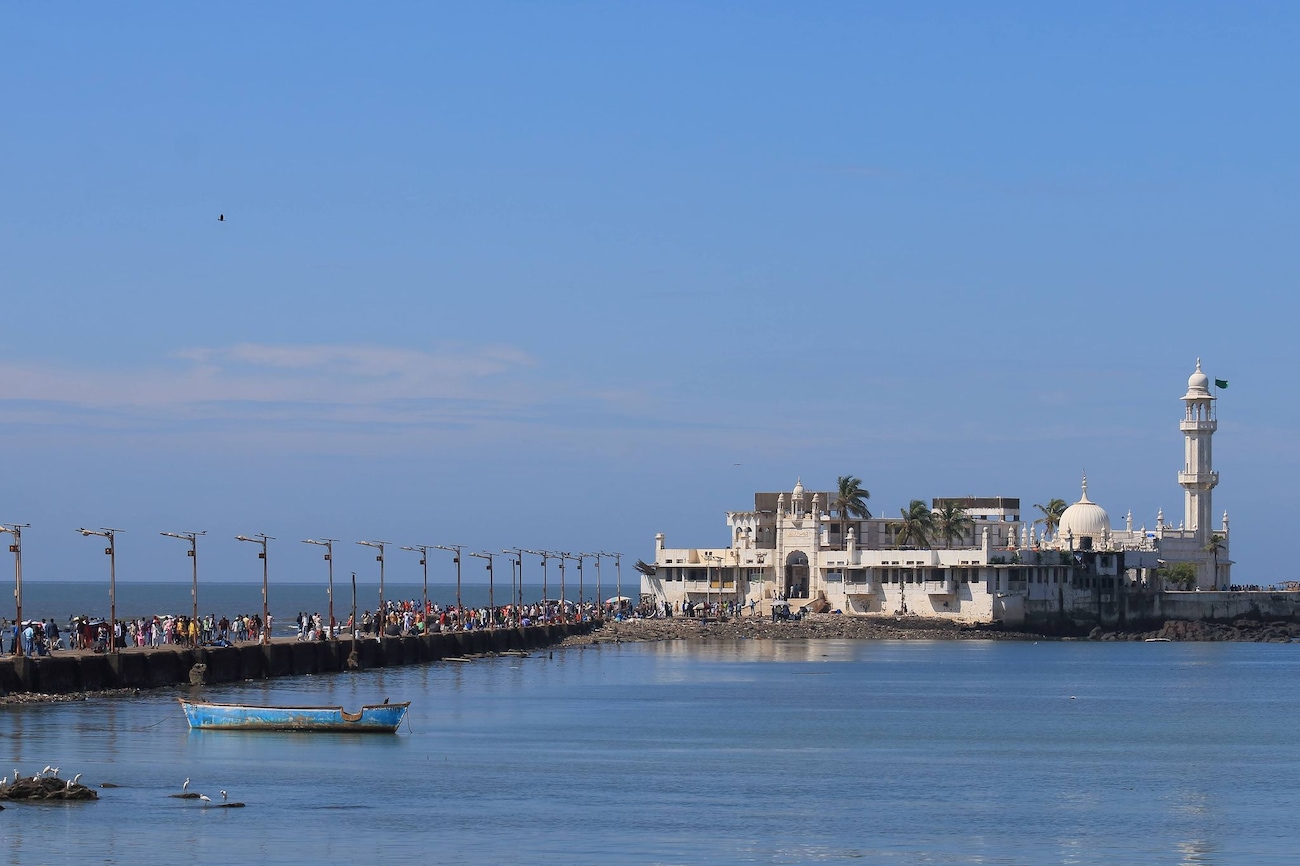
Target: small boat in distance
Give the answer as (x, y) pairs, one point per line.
(373, 718)
(1158, 640)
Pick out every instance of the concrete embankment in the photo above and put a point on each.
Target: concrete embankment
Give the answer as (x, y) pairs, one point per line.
(70, 673)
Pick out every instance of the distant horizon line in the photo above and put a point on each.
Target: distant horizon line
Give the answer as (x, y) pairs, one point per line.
(337, 582)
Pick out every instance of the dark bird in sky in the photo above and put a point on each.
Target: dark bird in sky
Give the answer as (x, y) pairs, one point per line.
(221, 218)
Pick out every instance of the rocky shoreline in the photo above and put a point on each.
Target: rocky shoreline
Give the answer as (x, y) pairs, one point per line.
(1245, 630)
(811, 627)
(830, 626)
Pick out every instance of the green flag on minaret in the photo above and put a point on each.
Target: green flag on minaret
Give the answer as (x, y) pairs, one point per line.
(1220, 383)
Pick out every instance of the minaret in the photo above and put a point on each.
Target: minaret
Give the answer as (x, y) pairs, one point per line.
(1198, 477)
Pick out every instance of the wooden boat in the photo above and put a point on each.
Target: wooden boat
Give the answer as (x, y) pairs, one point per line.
(373, 718)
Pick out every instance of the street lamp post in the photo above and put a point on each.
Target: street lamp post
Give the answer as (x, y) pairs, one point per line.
(423, 550)
(517, 562)
(545, 555)
(563, 557)
(454, 548)
(328, 544)
(16, 530)
(595, 556)
(193, 553)
(383, 614)
(581, 591)
(762, 558)
(618, 574)
(262, 538)
(111, 550)
(492, 611)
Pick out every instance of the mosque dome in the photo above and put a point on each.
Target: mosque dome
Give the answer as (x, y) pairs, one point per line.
(1198, 382)
(1084, 519)
(798, 487)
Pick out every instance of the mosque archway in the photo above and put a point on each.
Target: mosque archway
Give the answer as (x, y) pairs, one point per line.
(796, 575)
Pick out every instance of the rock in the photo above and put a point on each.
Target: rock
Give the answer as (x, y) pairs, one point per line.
(47, 788)
(199, 675)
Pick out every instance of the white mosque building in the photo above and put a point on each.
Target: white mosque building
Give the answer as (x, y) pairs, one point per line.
(794, 547)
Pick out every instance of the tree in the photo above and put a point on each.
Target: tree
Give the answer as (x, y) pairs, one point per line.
(1180, 574)
(1051, 518)
(850, 501)
(1217, 542)
(917, 525)
(952, 522)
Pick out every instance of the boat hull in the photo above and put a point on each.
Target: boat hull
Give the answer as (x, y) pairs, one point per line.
(372, 718)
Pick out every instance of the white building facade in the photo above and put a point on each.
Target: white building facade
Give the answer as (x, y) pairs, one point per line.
(796, 547)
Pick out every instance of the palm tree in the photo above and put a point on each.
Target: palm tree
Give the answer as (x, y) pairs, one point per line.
(916, 526)
(1051, 518)
(1216, 543)
(951, 522)
(851, 501)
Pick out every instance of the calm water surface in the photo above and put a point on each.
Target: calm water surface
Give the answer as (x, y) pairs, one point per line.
(766, 752)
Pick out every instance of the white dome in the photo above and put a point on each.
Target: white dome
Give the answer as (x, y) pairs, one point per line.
(1198, 382)
(1084, 519)
(798, 487)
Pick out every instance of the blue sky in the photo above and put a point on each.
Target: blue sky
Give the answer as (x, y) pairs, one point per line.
(570, 274)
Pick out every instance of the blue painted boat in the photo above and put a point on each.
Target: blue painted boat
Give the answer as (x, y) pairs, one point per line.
(373, 718)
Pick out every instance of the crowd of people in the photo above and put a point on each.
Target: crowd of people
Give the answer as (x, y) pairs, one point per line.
(41, 637)
(403, 617)
(397, 618)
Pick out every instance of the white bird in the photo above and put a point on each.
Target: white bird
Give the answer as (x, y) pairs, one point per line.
(205, 798)
(15, 775)
(223, 796)
(185, 786)
(75, 778)
(46, 770)
(54, 771)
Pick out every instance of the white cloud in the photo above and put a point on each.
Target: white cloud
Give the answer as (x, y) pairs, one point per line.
(339, 375)
(323, 393)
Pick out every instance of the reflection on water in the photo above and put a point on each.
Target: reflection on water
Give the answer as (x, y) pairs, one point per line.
(744, 751)
(1198, 851)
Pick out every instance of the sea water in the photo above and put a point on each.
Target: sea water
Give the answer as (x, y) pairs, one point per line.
(62, 600)
(722, 752)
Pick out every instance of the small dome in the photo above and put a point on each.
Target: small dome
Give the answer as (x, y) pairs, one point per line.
(798, 487)
(1084, 519)
(1198, 382)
